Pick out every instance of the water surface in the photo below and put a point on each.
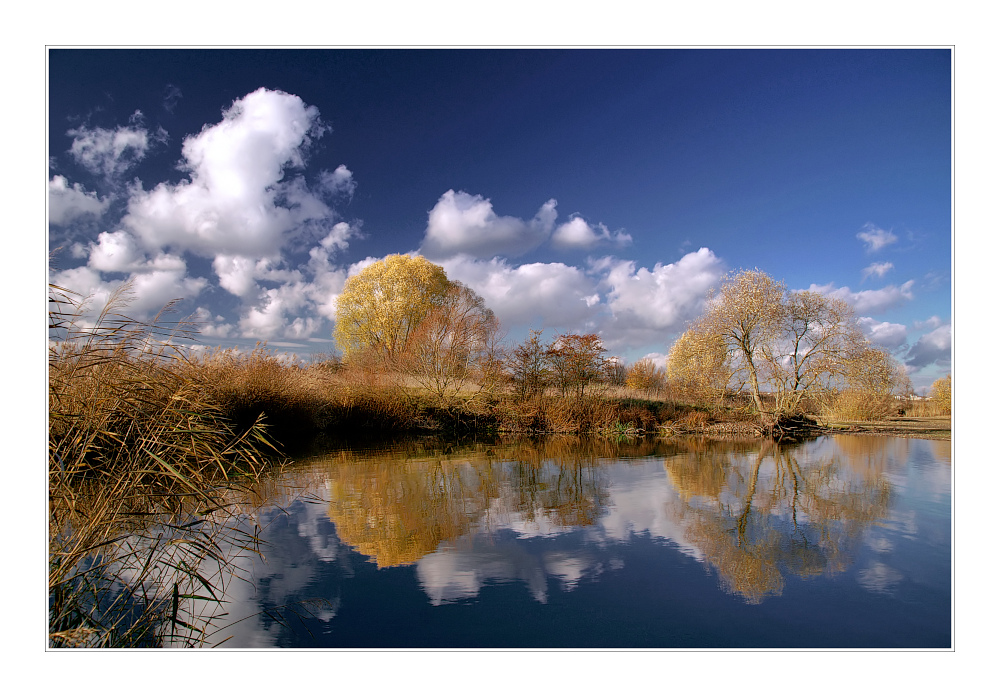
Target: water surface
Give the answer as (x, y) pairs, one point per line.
(843, 541)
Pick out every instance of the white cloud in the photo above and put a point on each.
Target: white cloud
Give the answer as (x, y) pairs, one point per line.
(869, 301)
(464, 224)
(541, 295)
(884, 334)
(339, 182)
(67, 203)
(237, 201)
(236, 274)
(212, 326)
(875, 238)
(932, 322)
(877, 269)
(111, 153)
(934, 347)
(155, 284)
(646, 304)
(115, 251)
(577, 234)
(277, 314)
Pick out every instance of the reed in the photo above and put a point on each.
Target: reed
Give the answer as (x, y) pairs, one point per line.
(142, 471)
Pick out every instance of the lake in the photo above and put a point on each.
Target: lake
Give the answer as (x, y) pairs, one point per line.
(838, 542)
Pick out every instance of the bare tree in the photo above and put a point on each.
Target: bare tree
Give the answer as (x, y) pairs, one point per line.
(576, 361)
(527, 366)
(454, 346)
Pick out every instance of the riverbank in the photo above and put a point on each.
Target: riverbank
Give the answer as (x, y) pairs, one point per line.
(926, 427)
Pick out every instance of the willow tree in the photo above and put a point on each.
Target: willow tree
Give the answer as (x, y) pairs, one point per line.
(380, 308)
(746, 316)
(790, 344)
(698, 365)
(940, 394)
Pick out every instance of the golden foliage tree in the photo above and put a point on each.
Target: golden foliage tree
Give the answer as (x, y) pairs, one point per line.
(745, 315)
(790, 344)
(940, 394)
(644, 375)
(698, 366)
(381, 307)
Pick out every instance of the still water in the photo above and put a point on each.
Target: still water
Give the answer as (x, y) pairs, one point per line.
(842, 541)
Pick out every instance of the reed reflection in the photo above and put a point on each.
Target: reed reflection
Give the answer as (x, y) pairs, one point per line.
(759, 511)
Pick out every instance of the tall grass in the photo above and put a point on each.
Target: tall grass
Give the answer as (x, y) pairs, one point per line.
(142, 468)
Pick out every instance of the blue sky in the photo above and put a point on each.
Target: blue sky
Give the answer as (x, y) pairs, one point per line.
(576, 190)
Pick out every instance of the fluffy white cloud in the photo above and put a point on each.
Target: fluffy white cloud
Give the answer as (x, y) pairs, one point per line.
(464, 224)
(115, 251)
(869, 301)
(875, 238)
(541, 295)
(237, 201)
(884, 334)
(932, 322)
(934, 347)
(210, 325)
(154, 285)
(646, 304)
(877, 269)
(577, 234)
(339, 182)
(277, 314)
(67, 203)
(110, 153)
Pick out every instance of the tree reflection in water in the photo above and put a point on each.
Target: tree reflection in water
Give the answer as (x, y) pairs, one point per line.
(757, 510)
(398, 506)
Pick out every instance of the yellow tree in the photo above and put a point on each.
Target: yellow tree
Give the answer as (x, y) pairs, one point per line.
(940, 394)
(645, 376)
(698, 364)
(746, 315)
(793, 344)
(382, 306)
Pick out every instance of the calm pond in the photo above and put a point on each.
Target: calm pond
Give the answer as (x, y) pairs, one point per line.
(842, 541)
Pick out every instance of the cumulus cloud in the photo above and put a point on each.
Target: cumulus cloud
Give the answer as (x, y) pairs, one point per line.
(339, 182)
(110, 153)
(464, 224)
(647, 303)
(932, 322)
(885, 334)
(869, 301)
(552, 295)
(237, 201)
(577, 234)
(878, 269)
(277, 313)
(934, 347)
(876, 238)
(68, 203)
(156, 283)
(210, 325)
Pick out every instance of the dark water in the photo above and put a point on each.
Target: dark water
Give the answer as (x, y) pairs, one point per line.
(844, 541)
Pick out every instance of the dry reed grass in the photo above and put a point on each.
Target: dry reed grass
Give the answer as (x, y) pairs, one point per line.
(139, 462)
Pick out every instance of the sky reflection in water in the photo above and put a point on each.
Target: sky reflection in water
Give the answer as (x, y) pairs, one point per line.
(841, 541)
